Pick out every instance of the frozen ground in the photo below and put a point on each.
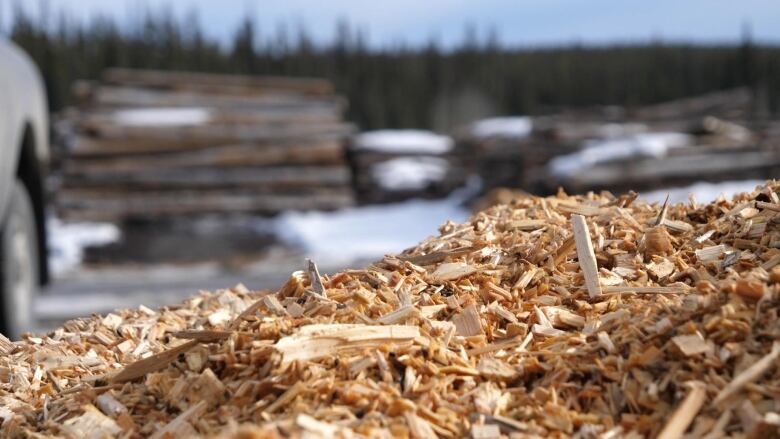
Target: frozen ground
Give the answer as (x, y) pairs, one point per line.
(67, 242)
(371, 231)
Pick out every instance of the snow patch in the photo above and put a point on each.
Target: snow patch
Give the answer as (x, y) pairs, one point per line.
(702, 191)
(371, 231)
(601, 151)
(163, 117)
(67, 242)
(403, 142)
(409, 173)
(515, 127)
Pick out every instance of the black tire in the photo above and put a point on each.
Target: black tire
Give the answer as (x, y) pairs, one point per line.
(19, 263)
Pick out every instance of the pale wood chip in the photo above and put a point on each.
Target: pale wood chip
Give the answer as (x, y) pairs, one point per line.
(468, 322)
(749, 375)
(585, 255)
(152, 363)
(452, 271)
(685, 413)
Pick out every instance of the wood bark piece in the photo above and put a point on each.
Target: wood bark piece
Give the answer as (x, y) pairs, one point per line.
(585, 255)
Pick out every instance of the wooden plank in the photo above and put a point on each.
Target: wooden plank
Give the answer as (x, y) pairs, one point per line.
(209, 177)
(316, 153)
(585, 255)
(82, 146)
(157, 205)
(224, 133)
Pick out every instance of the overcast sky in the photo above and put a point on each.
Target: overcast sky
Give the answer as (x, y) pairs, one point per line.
(520, 22)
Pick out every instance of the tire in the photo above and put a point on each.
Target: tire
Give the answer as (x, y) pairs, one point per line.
(19, 263)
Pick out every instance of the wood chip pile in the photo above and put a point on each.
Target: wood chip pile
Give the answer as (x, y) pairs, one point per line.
(590, 316)
(149, 144)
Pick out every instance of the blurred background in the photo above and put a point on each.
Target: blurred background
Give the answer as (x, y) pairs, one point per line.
(198, 144)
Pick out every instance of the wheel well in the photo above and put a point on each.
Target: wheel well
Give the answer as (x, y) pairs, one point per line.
(32, 174)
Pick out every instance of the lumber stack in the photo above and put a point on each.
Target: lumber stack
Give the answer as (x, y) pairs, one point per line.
(567, 316)
(503, 150)
(520, 152)
(149, 144)
(394, 165)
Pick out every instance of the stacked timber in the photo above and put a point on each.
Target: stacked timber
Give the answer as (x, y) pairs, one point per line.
(148, 144)
(503, 149)
(569, 316)
(710, 137)
(393, 165)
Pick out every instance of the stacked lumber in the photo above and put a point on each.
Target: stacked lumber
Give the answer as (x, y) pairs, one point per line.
(625, 148)
(393, 165)
(504, 149)
(148, 144)
(567, 316)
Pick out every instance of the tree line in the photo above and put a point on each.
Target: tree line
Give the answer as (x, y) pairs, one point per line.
(401, 86)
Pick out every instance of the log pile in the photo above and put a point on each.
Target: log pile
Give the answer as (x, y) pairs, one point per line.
(567, 316)
(148, 144)
(625, 148)
(394, 165)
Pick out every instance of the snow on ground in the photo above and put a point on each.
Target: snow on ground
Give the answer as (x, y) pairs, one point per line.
(702, 191)
(67, 242)
(403, 142)
(409, 173)
(600, 151)
(163, 117)
(516, 127)
(372, 231)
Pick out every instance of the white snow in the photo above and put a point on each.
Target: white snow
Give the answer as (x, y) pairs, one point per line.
(403, 142)
(163, 117)
(372, 231)
(516, 127)
(409, 173)
(67, 242)
(600, 151)
(702, 191)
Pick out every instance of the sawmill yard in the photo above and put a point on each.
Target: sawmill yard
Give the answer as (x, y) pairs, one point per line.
(567, 316)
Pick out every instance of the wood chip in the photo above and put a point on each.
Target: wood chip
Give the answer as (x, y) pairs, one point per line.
(692, 344)
(468, 323)
(317, 341)
(452, 271)
(685, 413)
(749, 375)
(585, 255)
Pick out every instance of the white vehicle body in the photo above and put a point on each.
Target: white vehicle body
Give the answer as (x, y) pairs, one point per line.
(23, 111)
(24, 156)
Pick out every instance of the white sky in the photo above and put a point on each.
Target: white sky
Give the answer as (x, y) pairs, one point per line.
(519, 22)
